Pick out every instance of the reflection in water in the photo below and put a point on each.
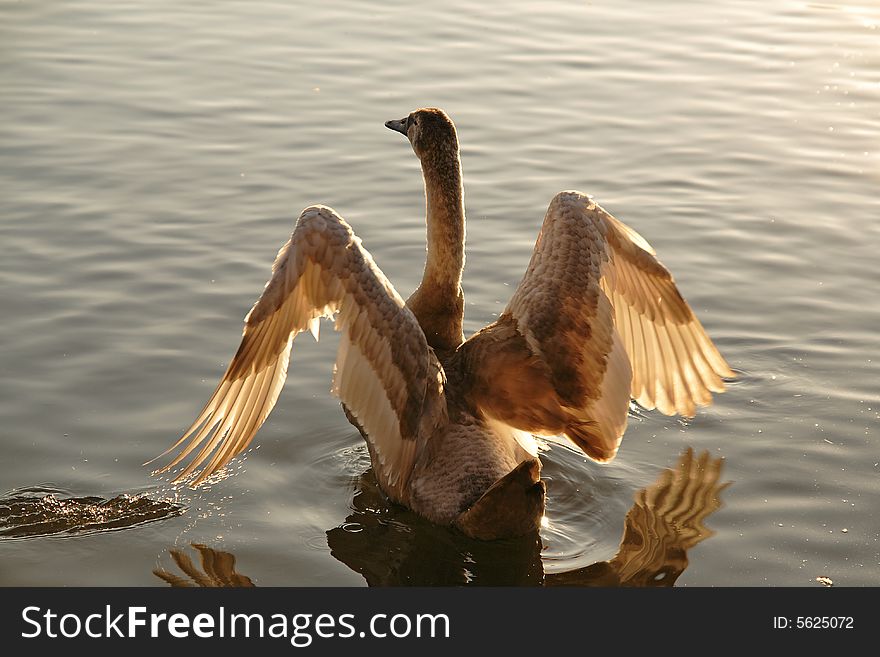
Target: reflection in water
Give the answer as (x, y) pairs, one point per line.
(218, 570)
(44, 511)
(390, 545)
(665, 521)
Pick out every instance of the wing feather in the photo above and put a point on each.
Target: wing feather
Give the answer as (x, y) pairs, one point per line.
(382, 367)
(594, 291)
(684, 367)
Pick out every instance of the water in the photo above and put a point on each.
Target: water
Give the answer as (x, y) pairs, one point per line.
(154, 156)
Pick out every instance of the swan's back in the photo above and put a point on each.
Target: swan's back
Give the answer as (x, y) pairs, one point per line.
(473, 476)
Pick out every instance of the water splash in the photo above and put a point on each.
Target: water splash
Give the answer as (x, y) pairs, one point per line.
(46, 511)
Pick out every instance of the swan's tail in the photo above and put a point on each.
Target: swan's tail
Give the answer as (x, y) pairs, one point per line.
(513, 506)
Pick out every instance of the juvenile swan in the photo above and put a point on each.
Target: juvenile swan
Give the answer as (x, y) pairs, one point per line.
(596, 320)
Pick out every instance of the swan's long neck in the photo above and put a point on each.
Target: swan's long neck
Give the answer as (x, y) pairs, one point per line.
(438, 303)
(444, 211)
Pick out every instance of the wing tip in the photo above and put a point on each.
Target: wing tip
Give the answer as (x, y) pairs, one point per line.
(192, 476)
(591, 443)
(192, 470)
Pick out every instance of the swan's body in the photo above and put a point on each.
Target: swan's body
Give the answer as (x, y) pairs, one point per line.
(595, 321)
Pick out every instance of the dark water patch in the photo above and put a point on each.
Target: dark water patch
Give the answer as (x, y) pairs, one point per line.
(42, 511)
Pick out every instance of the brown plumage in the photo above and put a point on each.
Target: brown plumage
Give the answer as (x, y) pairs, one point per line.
(596, 320)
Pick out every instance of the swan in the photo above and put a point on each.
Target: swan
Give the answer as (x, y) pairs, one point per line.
(448, 422)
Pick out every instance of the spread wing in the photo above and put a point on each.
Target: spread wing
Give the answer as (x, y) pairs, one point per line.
(596, 320)
(675, 365)
(385, 373)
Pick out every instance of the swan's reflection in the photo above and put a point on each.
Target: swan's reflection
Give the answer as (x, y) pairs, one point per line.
(392, 546)
(665, 521)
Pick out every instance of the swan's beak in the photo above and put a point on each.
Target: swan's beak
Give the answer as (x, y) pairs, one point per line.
(398, 125)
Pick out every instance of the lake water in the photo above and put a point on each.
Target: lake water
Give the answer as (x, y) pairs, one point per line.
(155, 155)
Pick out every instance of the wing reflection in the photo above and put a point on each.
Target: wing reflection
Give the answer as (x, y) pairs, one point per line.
(391, 546)
(217, 571)
(665, 521)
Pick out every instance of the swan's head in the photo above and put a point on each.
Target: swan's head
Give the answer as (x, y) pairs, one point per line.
(430, 131)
